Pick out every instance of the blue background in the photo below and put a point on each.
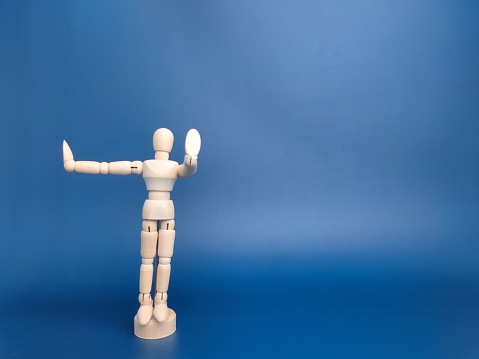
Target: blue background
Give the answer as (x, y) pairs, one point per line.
(335, 212)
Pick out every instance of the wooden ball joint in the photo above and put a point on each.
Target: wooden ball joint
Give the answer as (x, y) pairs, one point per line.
(154, 319)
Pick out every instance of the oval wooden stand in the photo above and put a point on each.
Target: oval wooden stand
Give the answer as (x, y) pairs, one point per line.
(155, 329)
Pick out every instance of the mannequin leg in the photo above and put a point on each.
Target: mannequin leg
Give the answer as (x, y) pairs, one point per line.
(149, 240)
(166, 241)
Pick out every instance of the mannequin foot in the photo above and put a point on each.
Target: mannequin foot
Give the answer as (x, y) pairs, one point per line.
(161, 311)
(145, 312)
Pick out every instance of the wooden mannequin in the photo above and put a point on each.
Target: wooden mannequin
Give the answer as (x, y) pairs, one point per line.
(154, 319)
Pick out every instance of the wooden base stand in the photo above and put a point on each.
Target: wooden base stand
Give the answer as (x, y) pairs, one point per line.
(155, 329)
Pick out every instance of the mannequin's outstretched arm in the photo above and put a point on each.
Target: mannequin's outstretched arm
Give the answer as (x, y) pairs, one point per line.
(192, 148)
(104, 168)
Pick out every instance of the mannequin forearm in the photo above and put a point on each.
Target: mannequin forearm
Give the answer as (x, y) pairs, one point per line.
(189, 166)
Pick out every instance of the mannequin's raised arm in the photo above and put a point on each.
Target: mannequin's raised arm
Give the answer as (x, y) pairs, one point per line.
(104, 168)
(192, 149)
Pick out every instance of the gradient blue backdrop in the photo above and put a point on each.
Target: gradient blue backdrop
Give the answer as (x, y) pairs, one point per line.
(335, 212)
